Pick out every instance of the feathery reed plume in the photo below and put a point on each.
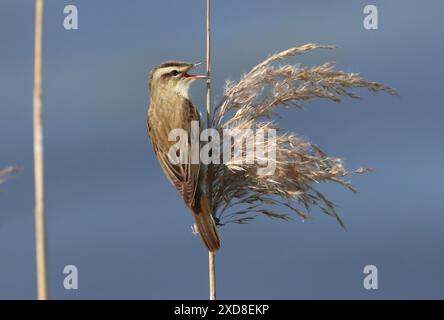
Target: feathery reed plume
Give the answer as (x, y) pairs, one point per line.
(239, 192)
(6, 173)
(40, 237)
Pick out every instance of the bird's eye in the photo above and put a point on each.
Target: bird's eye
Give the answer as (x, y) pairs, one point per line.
(175, 72)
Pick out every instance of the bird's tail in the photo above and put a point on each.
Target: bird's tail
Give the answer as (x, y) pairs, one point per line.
(205, 223)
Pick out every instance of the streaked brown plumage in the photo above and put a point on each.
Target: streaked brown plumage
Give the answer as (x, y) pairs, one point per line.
(170, 108)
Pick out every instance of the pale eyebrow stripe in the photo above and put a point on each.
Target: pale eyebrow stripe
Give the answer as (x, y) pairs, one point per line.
(163, 71)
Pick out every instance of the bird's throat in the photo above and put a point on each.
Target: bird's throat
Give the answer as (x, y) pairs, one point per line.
(183, 89)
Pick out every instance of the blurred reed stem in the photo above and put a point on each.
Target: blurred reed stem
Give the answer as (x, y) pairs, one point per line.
(42, 284)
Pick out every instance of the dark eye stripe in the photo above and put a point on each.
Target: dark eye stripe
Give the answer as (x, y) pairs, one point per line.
(174, 72)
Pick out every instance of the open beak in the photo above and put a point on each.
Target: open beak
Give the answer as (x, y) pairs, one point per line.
(193, 76)
(186, 75)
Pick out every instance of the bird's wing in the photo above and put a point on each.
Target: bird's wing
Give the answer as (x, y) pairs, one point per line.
(185, 177)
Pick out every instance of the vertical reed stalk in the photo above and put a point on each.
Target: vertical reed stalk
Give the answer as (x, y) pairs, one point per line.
(208, 63)
(211, 255)
(42, 286)
(212, 270)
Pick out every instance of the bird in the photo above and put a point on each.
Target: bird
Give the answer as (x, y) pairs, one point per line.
(170, 107)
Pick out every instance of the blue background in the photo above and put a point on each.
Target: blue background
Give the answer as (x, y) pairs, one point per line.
(112, 213)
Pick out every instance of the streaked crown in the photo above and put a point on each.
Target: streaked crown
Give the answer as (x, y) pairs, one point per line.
(168, 69)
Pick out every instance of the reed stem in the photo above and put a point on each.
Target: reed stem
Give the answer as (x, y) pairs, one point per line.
(42, 283)
(212, 272)
(211, 255)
